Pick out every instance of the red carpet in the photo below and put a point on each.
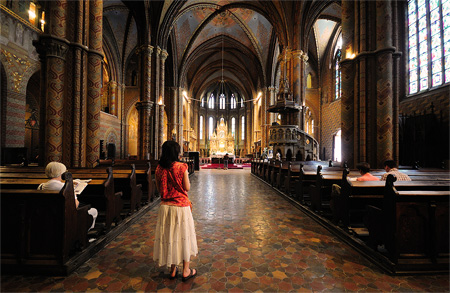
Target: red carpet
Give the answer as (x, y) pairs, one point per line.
(220, 166)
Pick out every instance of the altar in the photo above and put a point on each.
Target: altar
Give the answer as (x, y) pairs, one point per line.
(221, 142)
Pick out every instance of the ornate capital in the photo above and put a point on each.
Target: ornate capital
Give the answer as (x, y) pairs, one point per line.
(50, 46)
(148, 105)
(164, 55)
(158, 51)
(145, 49)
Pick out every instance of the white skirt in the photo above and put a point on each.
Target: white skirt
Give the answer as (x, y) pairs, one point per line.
(175, 238)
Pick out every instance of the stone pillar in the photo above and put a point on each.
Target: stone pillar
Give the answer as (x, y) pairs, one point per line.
(52, 49)
(180, 116)
(145, 105)
(272, 98)
(75, 105)
(385, 64)
(348, 76)
(299, 59)
(113, 98)
(124, 124)
(163, 58)
(95, 58)
(145, 109)
(156, 98)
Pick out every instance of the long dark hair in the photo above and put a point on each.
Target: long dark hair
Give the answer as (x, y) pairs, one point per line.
(170, 152)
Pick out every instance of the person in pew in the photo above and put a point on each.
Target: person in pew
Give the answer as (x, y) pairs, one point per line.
(175, 238)
(54, 171)
(364, 169)
(390, 168)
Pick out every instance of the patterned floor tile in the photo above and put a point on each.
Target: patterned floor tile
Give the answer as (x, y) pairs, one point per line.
(249, 238)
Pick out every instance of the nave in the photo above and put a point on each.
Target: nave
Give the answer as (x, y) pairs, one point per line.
(249, 238)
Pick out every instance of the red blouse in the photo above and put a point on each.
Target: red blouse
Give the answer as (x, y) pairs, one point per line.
(170, 185)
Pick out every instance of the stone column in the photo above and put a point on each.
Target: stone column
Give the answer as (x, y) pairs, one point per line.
(385, 63)
(298, 84)
(145, 105)
(52, 49)
(272, 98)
(180, 116)
(113, 98)
(163, 58)
(157, 100)
(95, 58)
(75, 105)
(124, 124)
(348, 75)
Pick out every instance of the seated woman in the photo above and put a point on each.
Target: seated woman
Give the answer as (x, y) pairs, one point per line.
(54, 170)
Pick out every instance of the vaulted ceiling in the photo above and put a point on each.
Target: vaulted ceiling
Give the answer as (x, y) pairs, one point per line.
(207, 41)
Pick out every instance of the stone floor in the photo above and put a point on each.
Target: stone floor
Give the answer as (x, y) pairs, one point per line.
(249, 238)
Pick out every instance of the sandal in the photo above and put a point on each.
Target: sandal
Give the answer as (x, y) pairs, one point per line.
(184, 279)
(176, 274)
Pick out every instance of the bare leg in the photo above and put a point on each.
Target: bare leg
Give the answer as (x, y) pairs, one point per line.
(186, 270)
(173, 270)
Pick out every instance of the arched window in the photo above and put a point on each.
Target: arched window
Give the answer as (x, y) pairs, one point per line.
(233, 102)
(201, 127)
(243, 128)
(233, 126)
(242, 103)
(309, 81)
(337, 70)
(222, 101)
(203, 102)
(337, 156)
(210, 127)
(428, 41)
(211, 102)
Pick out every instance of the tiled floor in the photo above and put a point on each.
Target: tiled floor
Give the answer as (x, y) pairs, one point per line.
(249, 239)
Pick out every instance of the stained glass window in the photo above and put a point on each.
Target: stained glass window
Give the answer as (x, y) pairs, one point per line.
(233, 102)
(201, 127)
(337, 70)
(233, 126)
(211, 102)
(222, 101)
(210, 126)
(428, 44)
(337, 84)
(243, 128)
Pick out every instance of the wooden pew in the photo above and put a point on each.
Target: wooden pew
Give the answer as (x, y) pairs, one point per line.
(292, 177)
(40, 229)
(145, 170)
(413, 225)
(356, 195)
(99, 192)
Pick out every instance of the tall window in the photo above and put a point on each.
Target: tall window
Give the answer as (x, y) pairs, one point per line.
(201, 127)
(203, 102)
(428, 41)
(233, 102)
(222, 101)
(233, 126)
(337, 71)
(210, 127)
(243, 128)
(337, 147)
(211, 102)
(242, 103)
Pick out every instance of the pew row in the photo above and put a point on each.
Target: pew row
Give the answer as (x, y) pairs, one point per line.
(41, 229)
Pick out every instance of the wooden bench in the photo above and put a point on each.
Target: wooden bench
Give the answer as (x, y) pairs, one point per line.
(100, 191)
(356, 195)
(40, 229)
(413, 226)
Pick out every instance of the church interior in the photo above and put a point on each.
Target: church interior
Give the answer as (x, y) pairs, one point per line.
(341, 82)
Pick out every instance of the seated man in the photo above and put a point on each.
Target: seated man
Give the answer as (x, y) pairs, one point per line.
(364, 169)
(389, 166)
(54, 170)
